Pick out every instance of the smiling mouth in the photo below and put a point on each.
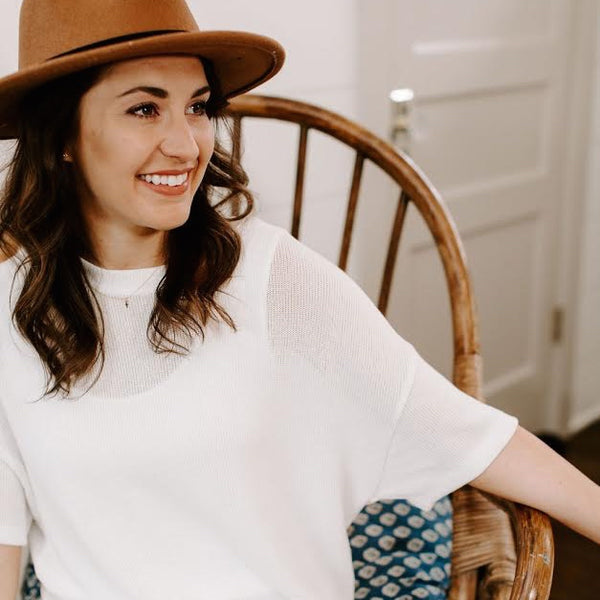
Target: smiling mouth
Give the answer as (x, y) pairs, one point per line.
(165, 180)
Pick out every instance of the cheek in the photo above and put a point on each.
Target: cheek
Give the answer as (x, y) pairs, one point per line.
(206, 141)
(106, 154)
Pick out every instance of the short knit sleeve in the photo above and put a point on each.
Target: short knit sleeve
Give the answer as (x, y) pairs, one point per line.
(15, 515)
(443, 440)
(427, 437)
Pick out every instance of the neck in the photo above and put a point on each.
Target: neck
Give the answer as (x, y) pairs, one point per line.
(119, 245)
(124, 265)
(123, 254)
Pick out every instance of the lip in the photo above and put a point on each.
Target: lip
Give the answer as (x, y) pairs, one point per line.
(169, 172)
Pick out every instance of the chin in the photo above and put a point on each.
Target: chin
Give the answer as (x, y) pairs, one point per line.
(174, 222)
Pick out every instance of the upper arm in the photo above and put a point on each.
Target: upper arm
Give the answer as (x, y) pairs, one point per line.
(10, 570)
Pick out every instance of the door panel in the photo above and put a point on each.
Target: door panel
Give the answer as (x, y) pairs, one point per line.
(486, 126)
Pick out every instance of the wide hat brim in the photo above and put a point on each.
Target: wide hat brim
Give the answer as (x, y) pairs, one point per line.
(241, 61)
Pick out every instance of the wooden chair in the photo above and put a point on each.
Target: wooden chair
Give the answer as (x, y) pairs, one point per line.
(501, 550)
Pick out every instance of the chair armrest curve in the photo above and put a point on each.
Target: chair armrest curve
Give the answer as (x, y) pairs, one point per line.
(534, 541)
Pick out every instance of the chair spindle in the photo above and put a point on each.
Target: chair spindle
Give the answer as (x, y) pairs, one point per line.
(236, 149)
(351, 210)
(392, 254)
(299, 189)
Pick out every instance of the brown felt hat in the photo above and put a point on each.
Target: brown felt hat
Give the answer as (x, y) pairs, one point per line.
(59, 37)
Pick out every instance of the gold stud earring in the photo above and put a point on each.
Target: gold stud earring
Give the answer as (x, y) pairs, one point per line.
(66, 156)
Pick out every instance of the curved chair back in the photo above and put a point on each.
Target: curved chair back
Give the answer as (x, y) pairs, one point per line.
(500, 550)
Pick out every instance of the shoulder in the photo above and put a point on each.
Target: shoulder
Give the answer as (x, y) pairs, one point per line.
(253, 226)
(259, 238)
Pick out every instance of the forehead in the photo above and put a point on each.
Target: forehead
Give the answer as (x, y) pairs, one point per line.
(163, 69)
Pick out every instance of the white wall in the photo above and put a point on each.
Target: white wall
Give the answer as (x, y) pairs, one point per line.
(585, 374)
(320, 39)
(9, 26)
(9, 39)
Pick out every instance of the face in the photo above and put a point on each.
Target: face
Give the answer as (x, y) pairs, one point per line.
(143, 144)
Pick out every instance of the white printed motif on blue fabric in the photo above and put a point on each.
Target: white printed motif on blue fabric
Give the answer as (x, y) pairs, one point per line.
(400, 552)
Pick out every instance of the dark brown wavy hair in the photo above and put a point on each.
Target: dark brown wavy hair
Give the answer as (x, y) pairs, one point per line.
(40, 213)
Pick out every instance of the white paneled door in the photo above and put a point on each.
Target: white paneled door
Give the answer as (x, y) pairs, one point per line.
(487, 125)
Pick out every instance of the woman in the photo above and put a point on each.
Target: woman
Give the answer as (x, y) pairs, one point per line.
(184, 410)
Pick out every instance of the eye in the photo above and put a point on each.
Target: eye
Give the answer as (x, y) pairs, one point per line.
(145, 111)
(197, 108)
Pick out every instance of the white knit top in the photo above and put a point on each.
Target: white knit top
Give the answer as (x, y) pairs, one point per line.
(233, 472)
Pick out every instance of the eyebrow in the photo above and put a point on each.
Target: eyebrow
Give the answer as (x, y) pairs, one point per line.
(160, 93)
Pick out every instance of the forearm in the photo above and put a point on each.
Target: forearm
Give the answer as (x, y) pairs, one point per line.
(530, 472)
(10, 568)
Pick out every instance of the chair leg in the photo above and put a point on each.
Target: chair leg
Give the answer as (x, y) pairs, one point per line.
(464, 586)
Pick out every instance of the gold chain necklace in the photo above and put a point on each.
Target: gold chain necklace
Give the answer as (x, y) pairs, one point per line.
(132, 293)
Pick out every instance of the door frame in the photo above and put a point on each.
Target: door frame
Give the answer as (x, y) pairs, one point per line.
(579, 108)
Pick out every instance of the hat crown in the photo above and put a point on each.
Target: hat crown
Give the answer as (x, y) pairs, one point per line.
(49, 28)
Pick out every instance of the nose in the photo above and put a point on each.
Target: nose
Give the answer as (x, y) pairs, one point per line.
(179, 140)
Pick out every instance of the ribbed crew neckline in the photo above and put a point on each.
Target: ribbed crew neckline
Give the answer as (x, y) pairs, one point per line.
(123, 283)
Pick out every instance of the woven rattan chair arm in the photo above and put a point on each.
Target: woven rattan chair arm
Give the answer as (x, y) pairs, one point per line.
(535, 550)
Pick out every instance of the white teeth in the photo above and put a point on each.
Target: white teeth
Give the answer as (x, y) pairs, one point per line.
(170, 180)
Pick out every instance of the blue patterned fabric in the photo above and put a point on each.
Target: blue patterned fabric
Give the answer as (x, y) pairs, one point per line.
(30, 589)
(398, 552)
